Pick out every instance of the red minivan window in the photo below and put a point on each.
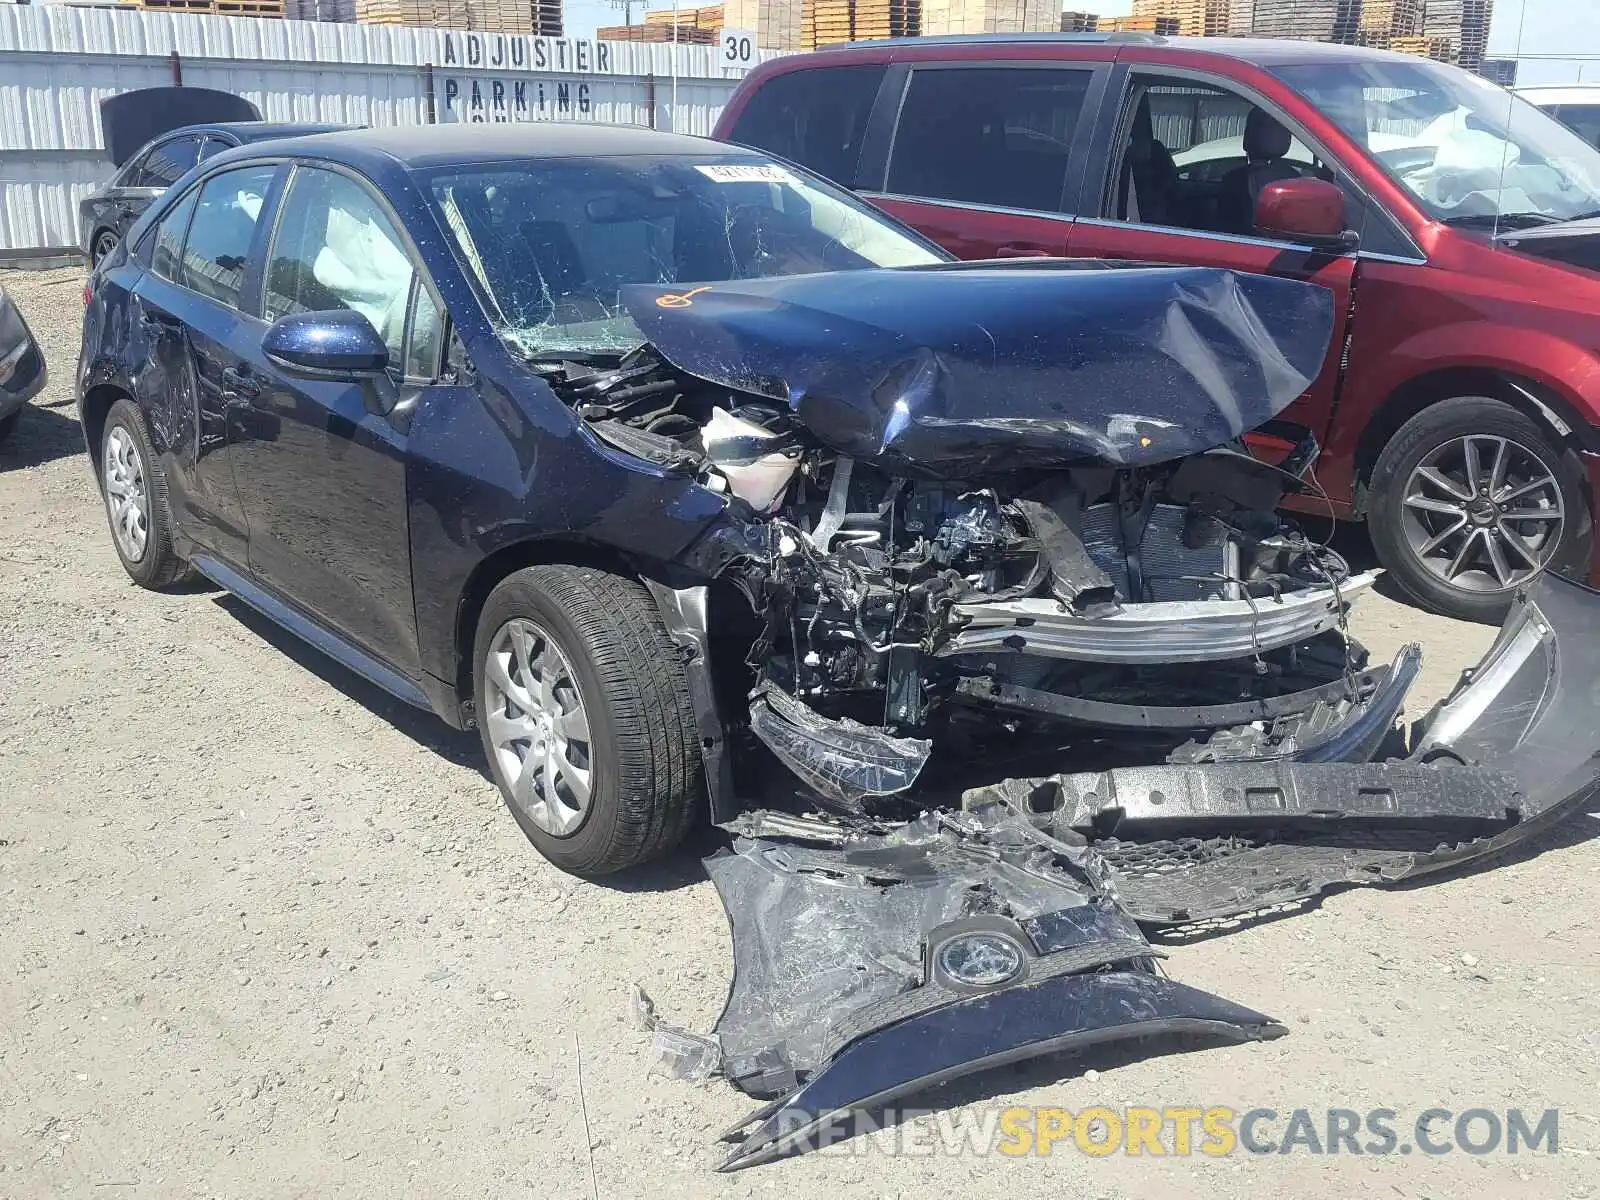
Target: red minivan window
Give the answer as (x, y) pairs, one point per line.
(815, 118)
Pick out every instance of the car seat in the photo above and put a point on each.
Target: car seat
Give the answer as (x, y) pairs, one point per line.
(1148, 189)
(1266, 143)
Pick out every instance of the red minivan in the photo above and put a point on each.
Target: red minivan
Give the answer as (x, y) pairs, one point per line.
(1459, 226)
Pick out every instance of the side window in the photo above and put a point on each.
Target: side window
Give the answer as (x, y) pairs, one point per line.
(166, 259)
(1196, 156)
(167, 163)
(129, 174)
(426, 338)
(217, 250)
(816, 118)
(213, 146)
(336, 248)
(997, 136)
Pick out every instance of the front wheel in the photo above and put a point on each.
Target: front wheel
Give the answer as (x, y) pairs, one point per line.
(1471, 500)
(584, 714)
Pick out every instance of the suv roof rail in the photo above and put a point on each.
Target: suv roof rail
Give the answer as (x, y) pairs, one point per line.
(967, 39)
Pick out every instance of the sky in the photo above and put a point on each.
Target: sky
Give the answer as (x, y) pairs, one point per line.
(1563, 35)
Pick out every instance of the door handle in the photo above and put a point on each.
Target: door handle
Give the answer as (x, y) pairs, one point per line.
(238, 385)
(1018, 250)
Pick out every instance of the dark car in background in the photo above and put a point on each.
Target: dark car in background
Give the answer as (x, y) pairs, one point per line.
(1456, 225)
(156, 135)
(22, 367)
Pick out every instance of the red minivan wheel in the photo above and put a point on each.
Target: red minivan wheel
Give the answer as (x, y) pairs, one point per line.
(1470, 500)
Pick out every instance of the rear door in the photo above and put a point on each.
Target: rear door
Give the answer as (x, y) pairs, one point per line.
(154, 172)
(321, 461)
(1171, 143)
(184, 315)
(985, 156)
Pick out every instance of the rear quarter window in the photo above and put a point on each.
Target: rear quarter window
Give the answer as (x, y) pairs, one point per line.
(816, 118)
(992, 135)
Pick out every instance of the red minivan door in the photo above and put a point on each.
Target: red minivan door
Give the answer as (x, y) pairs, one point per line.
(986, 156)
(1190, 153)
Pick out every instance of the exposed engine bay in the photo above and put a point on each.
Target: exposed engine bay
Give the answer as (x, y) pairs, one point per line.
(1002, 593)
(897, 614)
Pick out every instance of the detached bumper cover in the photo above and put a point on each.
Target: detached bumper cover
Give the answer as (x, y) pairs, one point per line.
(869, 965)
(1514, 750)
(866, 971)
(1062, 1013)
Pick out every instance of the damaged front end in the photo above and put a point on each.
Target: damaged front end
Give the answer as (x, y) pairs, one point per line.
(869, 964)
(1023, 642)
(986, 512)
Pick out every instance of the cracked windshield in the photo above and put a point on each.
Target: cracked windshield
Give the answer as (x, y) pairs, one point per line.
(552, 242)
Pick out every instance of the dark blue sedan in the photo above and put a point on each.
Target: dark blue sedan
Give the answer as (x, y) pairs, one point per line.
(323, 373)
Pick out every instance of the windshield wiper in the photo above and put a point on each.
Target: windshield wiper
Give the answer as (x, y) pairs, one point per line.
(1516, 220)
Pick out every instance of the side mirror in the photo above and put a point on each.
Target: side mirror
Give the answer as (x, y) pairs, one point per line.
(337, 343)
(1305, 210)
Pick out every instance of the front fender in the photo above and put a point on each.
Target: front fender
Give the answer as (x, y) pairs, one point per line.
(489, 470)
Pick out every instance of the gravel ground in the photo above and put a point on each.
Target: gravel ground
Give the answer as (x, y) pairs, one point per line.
(264, 932)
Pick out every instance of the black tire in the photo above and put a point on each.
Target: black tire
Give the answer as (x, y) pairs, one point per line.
(157, 566)
(1428, 431)
(647, 778)
(105, 241)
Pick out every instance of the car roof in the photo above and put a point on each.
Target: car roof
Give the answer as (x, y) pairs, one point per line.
(419, 147)
(1262, 52)
(252, 131)
(255, 131)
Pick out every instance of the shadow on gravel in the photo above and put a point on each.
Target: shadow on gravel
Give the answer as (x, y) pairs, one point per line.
(42, 435)
(424, 728)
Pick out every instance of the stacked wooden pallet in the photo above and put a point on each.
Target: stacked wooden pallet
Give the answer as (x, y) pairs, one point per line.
(684, 35)
(709, 17)
(223, 8)
(830, 22)
(539, 17)
(1196, 18)
(320, 10)
(990, 16)
(776, 23)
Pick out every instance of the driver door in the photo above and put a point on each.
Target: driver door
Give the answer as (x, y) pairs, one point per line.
(1178, 139)
(320, 459)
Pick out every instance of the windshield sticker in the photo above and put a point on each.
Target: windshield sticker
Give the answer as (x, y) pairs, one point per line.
(744, 173)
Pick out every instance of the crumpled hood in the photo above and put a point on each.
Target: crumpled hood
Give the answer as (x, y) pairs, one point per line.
(959, 370)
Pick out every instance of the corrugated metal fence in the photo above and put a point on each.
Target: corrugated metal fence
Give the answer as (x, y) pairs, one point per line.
(58, 63)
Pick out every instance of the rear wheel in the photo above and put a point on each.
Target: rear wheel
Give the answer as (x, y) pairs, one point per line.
(136, 500)
(1470, 500)
(584, 715)
(104, 243)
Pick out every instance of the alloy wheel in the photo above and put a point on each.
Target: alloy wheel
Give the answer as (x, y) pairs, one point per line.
(103, 245)
(538, 727)
(127, 493)
(1483, 513)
